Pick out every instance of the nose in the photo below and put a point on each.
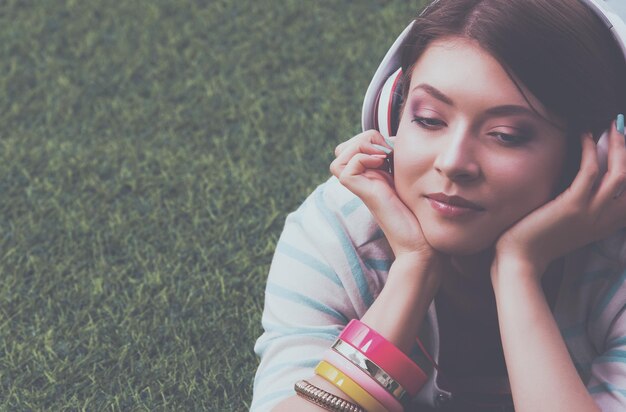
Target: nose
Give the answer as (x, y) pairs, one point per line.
(456, 158)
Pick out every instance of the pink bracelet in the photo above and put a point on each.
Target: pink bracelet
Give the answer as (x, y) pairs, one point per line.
(384, 354)
(363, 380)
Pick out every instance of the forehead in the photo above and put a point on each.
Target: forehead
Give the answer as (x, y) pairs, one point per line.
(466, 72)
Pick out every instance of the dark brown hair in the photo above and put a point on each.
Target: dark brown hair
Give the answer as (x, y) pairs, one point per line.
(559, 49)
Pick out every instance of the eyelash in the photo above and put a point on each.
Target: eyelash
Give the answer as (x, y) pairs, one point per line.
(517, 139)
(420, 122)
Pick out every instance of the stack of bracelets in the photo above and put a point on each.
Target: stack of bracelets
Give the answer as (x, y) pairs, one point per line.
(369, 369)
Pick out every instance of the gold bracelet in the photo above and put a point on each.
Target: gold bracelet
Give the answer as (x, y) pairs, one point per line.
(324, 399)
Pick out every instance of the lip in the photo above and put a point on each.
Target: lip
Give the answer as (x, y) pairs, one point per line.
(452, 206)
(454, 201)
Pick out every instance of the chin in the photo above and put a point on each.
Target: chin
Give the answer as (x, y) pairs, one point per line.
(455, 245)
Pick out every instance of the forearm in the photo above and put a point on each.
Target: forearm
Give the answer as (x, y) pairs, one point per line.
(540, 369)
(396, 314)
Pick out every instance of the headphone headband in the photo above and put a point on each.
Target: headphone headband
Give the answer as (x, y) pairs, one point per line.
(611, 12)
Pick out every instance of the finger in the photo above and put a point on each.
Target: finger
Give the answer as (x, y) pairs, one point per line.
(342, 146)
(362, 162)
(390, 140)
(614, 180)
(339, 148)
(358, 147)
(617, 157)
(353, 174)
(361, 145)
(349, 153)
(372, 136)
(384, 149)
(587, 175)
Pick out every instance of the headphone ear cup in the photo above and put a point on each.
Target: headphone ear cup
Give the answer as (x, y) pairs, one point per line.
(396, 105)
(389, 104)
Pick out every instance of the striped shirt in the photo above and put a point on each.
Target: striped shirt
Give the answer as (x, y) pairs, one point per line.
(332, 261)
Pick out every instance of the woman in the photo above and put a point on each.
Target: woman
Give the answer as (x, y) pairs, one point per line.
(481, 247)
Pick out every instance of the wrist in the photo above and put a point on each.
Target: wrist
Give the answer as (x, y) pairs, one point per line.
(417, 264)
(415, 276)
(509, 267)
(517, 254)
(403, 302)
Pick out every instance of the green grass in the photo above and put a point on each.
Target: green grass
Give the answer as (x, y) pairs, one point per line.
(149, 153)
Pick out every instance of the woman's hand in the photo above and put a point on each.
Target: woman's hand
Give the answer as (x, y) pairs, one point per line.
(416, 273)
(587, 211)
(362, 168)
(537, 358)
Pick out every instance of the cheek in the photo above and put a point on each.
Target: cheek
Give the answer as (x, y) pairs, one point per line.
(525, 184)
(410, 163)
(412, 152)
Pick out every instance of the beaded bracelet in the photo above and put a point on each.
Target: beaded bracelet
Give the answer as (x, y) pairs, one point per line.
(324, 399)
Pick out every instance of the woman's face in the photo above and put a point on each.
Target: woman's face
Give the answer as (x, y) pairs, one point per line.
(467, 131)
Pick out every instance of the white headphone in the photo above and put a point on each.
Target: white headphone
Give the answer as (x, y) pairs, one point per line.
(381, 106)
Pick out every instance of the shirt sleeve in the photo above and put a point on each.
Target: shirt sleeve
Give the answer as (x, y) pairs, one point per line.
(607, 383)
(311, 294)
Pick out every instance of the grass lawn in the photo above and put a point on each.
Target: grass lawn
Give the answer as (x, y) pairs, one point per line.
(149, 153)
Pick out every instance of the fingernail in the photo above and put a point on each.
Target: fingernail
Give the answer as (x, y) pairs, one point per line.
(388, 141)
(620, 123)
(383, 148)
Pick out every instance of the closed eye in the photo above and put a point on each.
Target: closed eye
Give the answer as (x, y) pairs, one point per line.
(428, 122)
(510, 139)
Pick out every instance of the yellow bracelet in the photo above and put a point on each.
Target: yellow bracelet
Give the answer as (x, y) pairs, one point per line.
(349, 387)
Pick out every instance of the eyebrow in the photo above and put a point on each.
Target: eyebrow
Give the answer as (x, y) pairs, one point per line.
(504, 110)
(436, 93)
